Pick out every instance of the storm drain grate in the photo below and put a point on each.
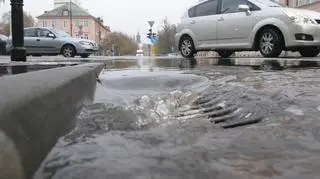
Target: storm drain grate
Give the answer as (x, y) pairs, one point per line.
(219, 112)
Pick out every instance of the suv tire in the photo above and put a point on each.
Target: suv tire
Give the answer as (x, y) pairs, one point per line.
(270, 43)
(186, 47)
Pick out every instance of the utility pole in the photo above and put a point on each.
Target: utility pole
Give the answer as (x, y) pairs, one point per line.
(99, 33)
(70, 14)
(18, 52)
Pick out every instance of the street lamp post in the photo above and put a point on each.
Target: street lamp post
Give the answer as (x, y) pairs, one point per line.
(18, 52)
(99, 35)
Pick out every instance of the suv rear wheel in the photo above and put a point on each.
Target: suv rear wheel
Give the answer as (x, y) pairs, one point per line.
(270, 42)
(186, 47)
(309, 51)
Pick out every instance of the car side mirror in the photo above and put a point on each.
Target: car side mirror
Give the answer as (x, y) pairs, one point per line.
(245, 8)
(50, 35)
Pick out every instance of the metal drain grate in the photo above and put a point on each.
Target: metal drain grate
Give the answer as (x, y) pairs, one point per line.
(218, 112)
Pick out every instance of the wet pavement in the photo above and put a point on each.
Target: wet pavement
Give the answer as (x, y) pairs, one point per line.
(204, 118)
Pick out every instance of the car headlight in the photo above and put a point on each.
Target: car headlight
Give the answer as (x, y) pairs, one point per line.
(84, 43)
(299, 18)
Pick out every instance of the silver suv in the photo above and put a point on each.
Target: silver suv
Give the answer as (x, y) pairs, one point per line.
(226, 26)
(51, 41)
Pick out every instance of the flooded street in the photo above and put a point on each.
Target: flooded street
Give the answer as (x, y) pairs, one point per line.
(194, 119)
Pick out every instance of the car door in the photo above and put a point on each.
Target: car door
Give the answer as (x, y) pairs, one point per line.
(30, 37)
(233, 25)
(46, 44)
(203, 22)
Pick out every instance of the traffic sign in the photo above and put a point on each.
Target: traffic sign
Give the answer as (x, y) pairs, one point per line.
(151, 23)
(153, 40)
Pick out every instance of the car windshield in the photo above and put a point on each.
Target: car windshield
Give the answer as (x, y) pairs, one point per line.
(60, 33)
(270, 3)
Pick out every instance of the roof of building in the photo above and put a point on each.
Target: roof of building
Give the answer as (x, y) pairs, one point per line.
(75, 11)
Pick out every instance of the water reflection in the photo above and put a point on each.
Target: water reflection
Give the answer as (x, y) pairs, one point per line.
(3, 70)
(154, 64)
(19, 69)
(188, 63)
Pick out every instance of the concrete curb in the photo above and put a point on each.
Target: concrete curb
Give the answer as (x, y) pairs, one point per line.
(36, 109)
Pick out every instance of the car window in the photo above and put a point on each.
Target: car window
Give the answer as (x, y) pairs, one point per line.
(231, 6)
(60, 33)
(192, 12)
(43, 32)
(30, 33)
(207, 8)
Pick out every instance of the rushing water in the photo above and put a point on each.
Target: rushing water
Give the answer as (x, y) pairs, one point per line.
(165, 119)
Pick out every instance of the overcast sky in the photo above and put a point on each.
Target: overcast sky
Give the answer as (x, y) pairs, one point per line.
(122, 15)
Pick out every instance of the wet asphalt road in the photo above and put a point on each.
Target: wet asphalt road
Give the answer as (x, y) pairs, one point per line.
(195, 119)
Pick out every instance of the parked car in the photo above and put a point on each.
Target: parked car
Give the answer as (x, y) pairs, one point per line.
(51, 41)
(226, 26)
(139, 53)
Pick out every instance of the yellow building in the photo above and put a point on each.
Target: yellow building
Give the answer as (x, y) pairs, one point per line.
(76, 21)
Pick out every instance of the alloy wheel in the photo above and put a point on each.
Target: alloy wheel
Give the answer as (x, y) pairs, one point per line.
(68, 52)
(186, 47)
(267, 43)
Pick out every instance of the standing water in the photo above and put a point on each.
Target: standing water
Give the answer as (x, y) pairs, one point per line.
(172, 119)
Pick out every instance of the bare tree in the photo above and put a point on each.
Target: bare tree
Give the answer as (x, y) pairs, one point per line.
(119, 43)
(166, 35)
(28, 21)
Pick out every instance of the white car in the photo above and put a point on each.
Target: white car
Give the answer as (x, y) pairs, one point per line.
(227, 26)
(139, 53)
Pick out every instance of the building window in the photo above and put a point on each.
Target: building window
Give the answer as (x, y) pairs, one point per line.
(77, 35)
(86, 23)
(79, 23)
(86, 36)
(53, 23)
(65, 23)
(44, 23)
(65, 13)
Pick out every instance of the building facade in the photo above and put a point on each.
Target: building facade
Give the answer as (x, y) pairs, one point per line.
(76, 21)
(305, 4)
